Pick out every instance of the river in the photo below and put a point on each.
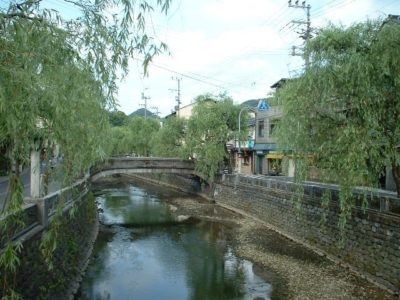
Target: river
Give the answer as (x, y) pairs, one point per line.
(144, 250)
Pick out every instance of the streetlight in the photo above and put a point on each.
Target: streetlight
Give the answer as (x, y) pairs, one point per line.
(239, 151)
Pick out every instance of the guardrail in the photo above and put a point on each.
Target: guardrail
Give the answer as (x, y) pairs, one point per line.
(378, 200)
(38, 213)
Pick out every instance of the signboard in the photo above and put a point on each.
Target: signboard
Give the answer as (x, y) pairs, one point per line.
(263, 105)
(251, 143)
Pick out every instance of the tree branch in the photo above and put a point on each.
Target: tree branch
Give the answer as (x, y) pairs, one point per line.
(20, 15)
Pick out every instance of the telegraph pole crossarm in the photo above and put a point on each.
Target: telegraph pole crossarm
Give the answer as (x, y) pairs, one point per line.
(178, 94)
(144, 98)
(307, 33)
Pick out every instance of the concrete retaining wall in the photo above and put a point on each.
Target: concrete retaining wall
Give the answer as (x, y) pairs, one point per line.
(372, 246)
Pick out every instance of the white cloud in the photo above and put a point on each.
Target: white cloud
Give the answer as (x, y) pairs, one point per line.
(236, 44)
(238, 11)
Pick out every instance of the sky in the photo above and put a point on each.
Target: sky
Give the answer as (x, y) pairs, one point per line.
(234, 46)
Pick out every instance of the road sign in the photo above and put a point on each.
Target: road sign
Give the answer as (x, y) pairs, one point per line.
(263, 105)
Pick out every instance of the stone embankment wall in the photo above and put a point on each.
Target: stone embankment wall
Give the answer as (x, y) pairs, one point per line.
(372, 244)
(56, 275)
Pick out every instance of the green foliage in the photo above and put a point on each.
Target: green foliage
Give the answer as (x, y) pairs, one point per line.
(11, 222)
(135, 138)
(117, 118)
(213, 124)
(168, 141)
(141, 131)
(58, 77)
(341, 116)
(119, 141)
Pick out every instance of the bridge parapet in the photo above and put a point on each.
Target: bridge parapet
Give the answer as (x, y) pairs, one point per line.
(132, 165)
(148, 162)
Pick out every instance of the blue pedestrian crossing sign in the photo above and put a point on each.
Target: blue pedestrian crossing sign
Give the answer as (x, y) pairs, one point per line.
(263, 105)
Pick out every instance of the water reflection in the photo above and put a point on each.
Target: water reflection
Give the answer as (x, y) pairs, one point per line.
(133, 206)
(163, 262)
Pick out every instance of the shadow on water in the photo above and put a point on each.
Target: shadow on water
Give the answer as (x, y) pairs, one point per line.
(143, 252)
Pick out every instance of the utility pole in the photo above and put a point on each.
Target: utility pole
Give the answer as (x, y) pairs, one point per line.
(144, 98)
(306, 34)
(156, 110)
(178, 94)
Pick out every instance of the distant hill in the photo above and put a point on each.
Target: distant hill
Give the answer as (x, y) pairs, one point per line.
(252, 102)
(140, 113)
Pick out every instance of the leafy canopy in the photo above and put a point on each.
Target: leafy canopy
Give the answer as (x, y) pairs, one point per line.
(214, 122)
(57, 78)
(342, 115)
(169, 140)
(57, 75)
(135, 138)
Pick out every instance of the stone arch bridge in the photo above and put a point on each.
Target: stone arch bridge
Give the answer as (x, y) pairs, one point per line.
(135, 165)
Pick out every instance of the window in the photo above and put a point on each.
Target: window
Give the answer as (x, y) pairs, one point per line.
(272, 127)
(261, 128)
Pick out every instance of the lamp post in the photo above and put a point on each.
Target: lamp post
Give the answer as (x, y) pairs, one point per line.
(239, 151)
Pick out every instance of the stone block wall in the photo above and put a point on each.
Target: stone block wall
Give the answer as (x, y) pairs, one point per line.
(34, 277)
(372, 244)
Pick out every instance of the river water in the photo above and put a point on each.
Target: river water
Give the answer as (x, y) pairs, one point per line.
(143, 252)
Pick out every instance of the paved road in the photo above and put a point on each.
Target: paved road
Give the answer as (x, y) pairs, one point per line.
(54, 184)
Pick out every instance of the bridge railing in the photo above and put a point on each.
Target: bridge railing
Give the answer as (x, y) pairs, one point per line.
(127, 164)
(148, 162)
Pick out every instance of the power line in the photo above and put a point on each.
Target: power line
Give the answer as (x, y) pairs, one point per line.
(333, 5)
(187, 76)
(388, 5)
(277, 18)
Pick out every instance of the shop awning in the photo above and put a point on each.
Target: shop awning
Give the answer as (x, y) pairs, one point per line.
(275, 155)
(264, 147)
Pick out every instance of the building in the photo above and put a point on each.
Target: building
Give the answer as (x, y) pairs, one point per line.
(241, 155)
(267, 159)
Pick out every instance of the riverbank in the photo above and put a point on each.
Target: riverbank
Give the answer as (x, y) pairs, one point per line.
(306, 275)
(302, 273)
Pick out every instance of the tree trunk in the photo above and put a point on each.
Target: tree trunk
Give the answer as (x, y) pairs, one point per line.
(15, 173)
(396, 177)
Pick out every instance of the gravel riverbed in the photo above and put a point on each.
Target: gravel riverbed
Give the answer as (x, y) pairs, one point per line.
(302, 273)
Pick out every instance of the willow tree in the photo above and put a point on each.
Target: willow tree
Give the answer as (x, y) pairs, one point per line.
(214, 122)
(141, 131)
(52, 69)
(169, 140)
(342, 115)
(58, 75)
(57, 78)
